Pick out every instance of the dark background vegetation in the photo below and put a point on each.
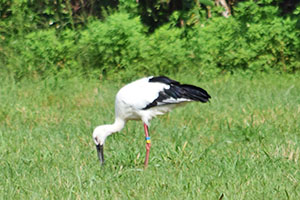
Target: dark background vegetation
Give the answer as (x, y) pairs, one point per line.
(125, 39)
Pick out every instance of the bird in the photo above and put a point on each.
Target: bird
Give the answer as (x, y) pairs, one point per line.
(143, 100)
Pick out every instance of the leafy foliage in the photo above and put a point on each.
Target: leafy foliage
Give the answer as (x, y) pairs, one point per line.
(257, 38)
(165, 51)
(23, 16)
(218, 45)
(112, 45)
(119, 45)
(42, 53)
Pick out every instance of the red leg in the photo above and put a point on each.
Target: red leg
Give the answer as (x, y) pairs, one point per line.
(148, 144)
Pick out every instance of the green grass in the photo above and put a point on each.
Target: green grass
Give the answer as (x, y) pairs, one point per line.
(245, 144)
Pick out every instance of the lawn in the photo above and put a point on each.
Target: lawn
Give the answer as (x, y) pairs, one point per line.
(244, 144)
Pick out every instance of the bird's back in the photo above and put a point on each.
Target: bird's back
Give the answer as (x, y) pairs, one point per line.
(140, 93)
(147, 97)
(135, 96)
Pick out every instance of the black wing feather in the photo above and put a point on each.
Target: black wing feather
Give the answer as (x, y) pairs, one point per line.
(164, 79)
(177, 91)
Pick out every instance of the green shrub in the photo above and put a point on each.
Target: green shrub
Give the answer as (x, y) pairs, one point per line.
(273, 40)
(275, 46)
(218, 46)
(41, 53)
(165, 51)
(252, 42)
(113, 45)
(255, 11)
(256, 38)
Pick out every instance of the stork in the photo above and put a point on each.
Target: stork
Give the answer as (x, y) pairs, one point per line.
(144, 99)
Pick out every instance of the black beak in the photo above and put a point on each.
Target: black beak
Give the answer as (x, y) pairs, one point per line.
(100, 153)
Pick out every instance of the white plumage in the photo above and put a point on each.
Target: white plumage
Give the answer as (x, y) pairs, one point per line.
(144, 99)
(134, 97)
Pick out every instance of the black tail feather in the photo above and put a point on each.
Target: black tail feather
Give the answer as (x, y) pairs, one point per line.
(177, 91)
(195, 93)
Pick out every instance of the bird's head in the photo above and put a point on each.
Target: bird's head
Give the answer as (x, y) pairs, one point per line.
(99, 135)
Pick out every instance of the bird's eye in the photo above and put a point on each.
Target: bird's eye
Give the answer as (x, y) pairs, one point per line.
(96, 140)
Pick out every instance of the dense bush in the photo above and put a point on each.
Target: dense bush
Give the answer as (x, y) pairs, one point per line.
(165, 51)
(273, 40)
(41, 53)
(255, 39)
(274, 46)
(218, 45)
(113, 45)
(119, 44)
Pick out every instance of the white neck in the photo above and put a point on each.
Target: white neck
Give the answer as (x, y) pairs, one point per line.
(117, 126)
(102, 132)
